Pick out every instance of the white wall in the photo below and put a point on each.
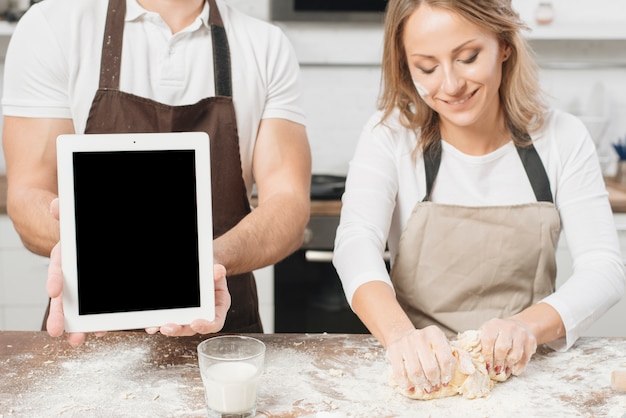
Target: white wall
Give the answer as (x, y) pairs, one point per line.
(341, 75)
(256, 8)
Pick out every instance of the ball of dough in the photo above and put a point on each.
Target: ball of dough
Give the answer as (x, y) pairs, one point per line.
(470, 378)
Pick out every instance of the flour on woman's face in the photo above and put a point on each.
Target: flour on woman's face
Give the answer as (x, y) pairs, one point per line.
(421, 90)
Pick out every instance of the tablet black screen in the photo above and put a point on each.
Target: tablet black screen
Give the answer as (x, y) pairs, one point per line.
(136, 230)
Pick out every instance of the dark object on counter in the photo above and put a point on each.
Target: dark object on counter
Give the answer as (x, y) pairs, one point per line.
(341, 5)
(341, 11)
(327, 187)
(16, 9)
(620, 148)
(13, 15)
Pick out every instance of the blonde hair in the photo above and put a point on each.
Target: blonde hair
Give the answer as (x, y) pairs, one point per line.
(520, 93)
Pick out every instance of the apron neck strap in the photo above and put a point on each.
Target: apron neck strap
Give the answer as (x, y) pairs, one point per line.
(535, 170)
(531, 161)
(221, 52)
(432, 161)
(112, 45)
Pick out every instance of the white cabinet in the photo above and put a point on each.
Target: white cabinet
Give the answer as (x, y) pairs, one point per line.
(612, 323)
(265, 288)
(23, 297)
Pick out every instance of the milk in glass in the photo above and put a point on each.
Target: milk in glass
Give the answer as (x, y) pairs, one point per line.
(231, 387)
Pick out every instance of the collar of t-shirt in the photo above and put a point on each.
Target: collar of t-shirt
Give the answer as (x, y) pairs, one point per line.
(135, 12)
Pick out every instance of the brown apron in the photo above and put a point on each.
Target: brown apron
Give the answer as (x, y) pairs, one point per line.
(459, 266)
(113, 111)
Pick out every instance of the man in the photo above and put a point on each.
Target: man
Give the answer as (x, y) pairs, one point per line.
(96, 66)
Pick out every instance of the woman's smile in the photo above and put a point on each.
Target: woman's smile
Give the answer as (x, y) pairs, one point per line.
(461, 101)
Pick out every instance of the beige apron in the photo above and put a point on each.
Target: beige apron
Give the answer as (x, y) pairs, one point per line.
(458, 266)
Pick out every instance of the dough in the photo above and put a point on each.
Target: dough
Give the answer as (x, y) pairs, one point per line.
(470, 377)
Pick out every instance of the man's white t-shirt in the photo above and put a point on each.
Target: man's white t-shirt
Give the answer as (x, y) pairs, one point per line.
(53, 65)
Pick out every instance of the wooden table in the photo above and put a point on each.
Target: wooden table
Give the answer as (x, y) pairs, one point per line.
(128, 374)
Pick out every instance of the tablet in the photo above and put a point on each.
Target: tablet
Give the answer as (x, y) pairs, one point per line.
(136, 230)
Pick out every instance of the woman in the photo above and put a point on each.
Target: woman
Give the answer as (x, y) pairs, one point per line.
(468, 177)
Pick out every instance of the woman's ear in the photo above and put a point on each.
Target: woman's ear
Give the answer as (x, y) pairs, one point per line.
(506, 53)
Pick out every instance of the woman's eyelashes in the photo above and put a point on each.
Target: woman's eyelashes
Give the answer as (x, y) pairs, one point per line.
(426, 71)
(431, 70)
(471, 59)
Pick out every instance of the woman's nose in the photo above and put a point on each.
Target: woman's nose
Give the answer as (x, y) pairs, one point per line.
(452, 82)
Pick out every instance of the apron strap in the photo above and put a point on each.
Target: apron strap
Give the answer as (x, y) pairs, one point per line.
(221, 53)
(112, 46)
(531, 161)
(432, 161)
(536, 173)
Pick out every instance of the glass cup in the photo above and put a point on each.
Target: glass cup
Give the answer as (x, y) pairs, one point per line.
(230, 366)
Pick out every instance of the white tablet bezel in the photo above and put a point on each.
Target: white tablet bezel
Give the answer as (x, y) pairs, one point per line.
(67, 145)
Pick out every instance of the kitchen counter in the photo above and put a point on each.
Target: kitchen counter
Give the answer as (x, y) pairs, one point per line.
(131, 374)
(617, 195)
(318, 207)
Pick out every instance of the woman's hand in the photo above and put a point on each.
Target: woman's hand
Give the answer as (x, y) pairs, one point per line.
(422, 360)
(507, 346)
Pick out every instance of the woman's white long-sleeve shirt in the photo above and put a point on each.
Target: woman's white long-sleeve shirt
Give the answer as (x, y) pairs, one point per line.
(385, 182)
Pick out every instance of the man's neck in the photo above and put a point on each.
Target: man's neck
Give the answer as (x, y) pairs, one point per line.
(178, 14)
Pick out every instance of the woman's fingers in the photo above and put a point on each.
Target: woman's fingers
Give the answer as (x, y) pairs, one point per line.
(507, 346)
(422, 360)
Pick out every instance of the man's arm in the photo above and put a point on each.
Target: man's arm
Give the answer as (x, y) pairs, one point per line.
(282, 170)
(30, 151)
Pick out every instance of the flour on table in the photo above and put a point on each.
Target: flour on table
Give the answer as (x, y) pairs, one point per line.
(470, 379)
(100, 381)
